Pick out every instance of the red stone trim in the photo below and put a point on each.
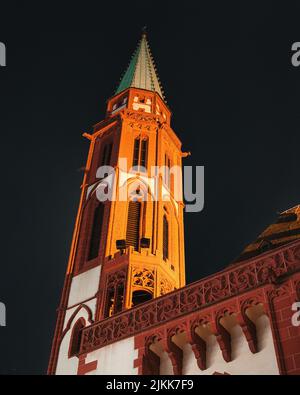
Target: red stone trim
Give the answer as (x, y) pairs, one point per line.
(286, 337)
(147, 362)
(249, 330)
(83, 302)
(277, 300)
(84, 367)
(60, 332)
(75, 333)
(220, 374)
(61, 312)
(198, 345)
(224, 339)
(68, 326)
(150, 364)
(229, 284)
(174, 352)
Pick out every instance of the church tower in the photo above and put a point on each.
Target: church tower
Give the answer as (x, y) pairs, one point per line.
(128, 241)
(125, 308)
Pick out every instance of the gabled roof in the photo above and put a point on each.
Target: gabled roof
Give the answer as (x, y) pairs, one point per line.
(141, 72)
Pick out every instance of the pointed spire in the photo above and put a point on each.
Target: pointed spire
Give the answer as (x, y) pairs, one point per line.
(141, 72)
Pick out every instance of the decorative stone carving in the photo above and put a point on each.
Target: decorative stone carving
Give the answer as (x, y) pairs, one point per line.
(115, 278)
(297, 287)
(203, 294)
(165, 286)
(198, 345)
(143, 278)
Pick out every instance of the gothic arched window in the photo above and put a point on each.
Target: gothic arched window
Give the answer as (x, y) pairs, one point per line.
(144, 152)
(76, 337)
(165, 238)
(133, 224)
(136, 151)
(115, 294)
(110, 302)
(106, 154)
(167, 175)
(96, 232)
(140, 152)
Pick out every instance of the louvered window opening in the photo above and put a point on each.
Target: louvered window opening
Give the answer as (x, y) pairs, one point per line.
(165, 238)
(106, 155)
(133, 225)
(96, 232)
(167, 171)
(136, 152)
(140, 153)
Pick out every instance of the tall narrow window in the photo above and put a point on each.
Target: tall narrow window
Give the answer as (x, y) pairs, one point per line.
(144, 149)
(76, 337)
(119, 298)
(136, 151)
(167, 170)
(165, 238)
(96, 232)
(133, 224)
(110, 303)
(114, 300)
(140, 152)
(106, 155)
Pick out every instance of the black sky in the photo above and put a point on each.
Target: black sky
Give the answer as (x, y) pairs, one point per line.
(229, 81)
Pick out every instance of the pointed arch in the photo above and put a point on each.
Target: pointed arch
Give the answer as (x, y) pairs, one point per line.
(140, 152)
(74, 346)
(145, 189)
(73, 316)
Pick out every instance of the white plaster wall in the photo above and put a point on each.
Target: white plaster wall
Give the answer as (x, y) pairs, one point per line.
(66, 365)
(84, 286)
(116, 358)
(165, 364)
(244, 362)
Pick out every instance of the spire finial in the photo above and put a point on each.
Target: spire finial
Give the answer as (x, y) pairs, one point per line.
(141, 72)
(144, 31)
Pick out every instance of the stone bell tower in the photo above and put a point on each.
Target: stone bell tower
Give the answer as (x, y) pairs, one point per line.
(128, 242)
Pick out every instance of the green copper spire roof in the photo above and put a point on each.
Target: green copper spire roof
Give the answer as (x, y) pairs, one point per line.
(141, 72)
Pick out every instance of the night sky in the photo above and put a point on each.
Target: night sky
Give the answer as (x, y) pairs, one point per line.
(235, 97)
